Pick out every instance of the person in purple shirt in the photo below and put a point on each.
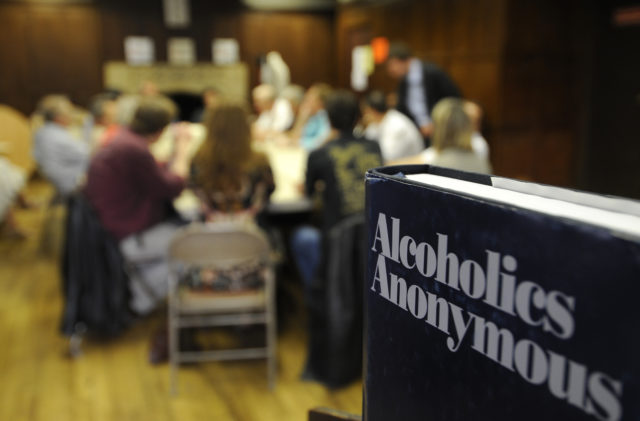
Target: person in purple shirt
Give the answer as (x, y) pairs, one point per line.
(132, 195)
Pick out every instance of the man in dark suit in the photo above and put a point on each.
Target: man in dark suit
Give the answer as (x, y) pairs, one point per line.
(422, 85)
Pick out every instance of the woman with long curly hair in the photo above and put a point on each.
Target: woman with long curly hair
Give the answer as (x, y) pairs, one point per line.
(230, 178)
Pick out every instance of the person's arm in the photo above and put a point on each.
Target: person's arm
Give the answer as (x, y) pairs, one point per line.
(180, 160)
(74, 152)
(312, 174)
(154, 179)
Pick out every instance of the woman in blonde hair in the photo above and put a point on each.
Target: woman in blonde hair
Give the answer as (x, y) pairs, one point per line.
(231, 179)
(452, 134)
(453, 131)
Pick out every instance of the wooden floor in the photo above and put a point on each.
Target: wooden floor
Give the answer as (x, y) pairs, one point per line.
(113, 380)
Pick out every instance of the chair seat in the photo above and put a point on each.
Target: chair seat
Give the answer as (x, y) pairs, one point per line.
(191, 301)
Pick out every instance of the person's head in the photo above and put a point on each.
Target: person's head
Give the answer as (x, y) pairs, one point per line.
(152, 115)
(125, 108)
(210, 97)
(293, 94)
(398, 60)
(148, 88)
(228, 129)
(227, 148)
(452, 126)
(343, 111)
(103, 108)
(316, 96)
(474, 111)
(56, 109)
(263, 97)
(374, 106)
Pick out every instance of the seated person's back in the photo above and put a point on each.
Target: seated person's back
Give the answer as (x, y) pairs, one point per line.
(61, 158)
(131, 193)
(229, 177)
(452, 138)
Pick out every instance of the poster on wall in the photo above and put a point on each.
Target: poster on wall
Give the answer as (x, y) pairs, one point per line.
(181, 51)
(225, 51)
(361, 67)
(139, 51)
(177, 13)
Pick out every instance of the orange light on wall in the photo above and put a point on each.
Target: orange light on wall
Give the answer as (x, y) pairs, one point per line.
(380, 47)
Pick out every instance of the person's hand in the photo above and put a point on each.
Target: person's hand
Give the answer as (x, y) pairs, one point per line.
(181, 138)
(181, 141)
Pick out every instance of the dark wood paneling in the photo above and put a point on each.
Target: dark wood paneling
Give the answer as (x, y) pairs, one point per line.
(61, 48)
(45, 49)
(517, 59)
(612, 163)
(305, 42)
(14, 64)
(63, 56)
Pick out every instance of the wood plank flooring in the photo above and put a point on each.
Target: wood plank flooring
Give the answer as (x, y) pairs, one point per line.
(112, 380)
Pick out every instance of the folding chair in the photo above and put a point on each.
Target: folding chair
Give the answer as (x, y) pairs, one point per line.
(222, 247)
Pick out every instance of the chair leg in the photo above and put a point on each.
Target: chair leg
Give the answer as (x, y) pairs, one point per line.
(173, 354)
(271, 336)
(75, 341)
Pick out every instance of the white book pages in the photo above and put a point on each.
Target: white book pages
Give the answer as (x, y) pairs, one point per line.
(577, 207)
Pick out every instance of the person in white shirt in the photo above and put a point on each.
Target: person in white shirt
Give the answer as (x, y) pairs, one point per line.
(456, 142)
(274, 114)
(62, 159)
(396, 134)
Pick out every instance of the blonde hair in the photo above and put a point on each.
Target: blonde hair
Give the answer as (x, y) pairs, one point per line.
(452, 126)
(226, 152)
(53, 106)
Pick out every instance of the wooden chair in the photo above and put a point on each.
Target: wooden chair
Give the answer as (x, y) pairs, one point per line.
(15, 138)
(221, 247)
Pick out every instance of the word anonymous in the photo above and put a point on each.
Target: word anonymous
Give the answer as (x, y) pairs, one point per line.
(495, 285)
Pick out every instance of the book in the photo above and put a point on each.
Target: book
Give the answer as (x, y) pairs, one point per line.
(495, 299)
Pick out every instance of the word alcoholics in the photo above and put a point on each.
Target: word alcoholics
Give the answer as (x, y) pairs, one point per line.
(497, 286)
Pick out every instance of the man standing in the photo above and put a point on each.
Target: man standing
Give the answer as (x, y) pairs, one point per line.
(61, 158)
(422, 85)
(132, 195)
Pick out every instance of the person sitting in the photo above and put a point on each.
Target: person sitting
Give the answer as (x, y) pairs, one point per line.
(231, 180)
(478, 142)
(102, 122)
(132, 196)
(339, 166)
(274, 114)
(210, 97)
(452, 136)
(293, 94)
(397, 135)
(61, 158)
(312, 126)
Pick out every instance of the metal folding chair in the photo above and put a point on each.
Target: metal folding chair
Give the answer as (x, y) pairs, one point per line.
(222, 247)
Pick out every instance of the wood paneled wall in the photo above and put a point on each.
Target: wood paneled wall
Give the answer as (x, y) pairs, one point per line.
(528, 63)
(48, 49)
(61, 48)
(519, 60)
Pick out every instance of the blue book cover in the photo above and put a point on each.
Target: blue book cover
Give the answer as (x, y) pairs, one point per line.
(493, 299)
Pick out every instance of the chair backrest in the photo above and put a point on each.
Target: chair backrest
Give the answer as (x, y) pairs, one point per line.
(15, 138)
(223, 245)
